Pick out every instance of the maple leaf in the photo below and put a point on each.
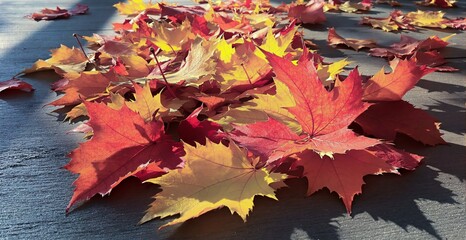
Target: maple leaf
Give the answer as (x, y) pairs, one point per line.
(63, 60)
(427, 19)
(135, 66)
(192, 130)
(87, 84)
(134, 7)
(328, 73)
(349, 7)
(310, 13)
(196, 65)
(15, 84)
(59, 13)
(245, 67)
(396, 157)
(171, 37)
(275, 45)
(225, 50)
(407, 46)
(386, 24)
(317, 110)
(334, 39)
(145, 104)
(393, 86)
(273, 140)
(400, 117)
(233, 181)
(432, 59)
(437, 3)
(458, 23)
(122, 141)
(343, 174)
(395, 21)
(392, 3)
(260, 108)
(323, 116)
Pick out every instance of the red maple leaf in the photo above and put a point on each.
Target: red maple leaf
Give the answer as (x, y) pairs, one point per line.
(310, 13)
(15, 84)
(400, 117)
(323, 115)
(393, 86)
(343, 174)
(318, 110)
(192, 130)
(121, 143)
(58, 13)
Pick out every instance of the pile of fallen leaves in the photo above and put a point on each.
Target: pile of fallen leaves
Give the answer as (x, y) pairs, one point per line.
(221, 103)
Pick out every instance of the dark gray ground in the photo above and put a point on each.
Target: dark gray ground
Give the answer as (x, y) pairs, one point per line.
(34, 190)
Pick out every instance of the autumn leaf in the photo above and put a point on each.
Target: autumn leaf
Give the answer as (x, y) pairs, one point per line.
(408, 46)
(192, 130)
(59, 13)
(134, 7)
(392, 3)
(263, 106)
(437, 3)
(323, 116)
(393, 86)
(400, 117)
(385, 24)
(15, 84)
(272, 140)
(233, 182)
(196, 64)
(87, 84)
(458, 23)
(310, 13)
(396, 157)
(63, 60)
(427, 19)
(334, 40)
(172, 37)
(275, 45)
(343, 174)
(145, 103)
(122, 141)
(317, 110)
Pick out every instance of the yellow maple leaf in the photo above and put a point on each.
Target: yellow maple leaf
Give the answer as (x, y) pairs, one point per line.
(172, 38)
(233, 182)
(275, 45)
(328, 73)
(432, 19)
(145, 103)
(135, 65)
(62, 60)
(260, 20)
(261, 108)
(225, 50)
(197, 64)
(386, 24)
(77, 111)
(134, 7)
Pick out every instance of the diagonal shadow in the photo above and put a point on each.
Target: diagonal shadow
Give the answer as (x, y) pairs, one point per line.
(449, 115)
(292, 215)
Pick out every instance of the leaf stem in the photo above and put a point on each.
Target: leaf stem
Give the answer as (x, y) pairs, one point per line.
(152, 51)
(81, 46)
(247, 75)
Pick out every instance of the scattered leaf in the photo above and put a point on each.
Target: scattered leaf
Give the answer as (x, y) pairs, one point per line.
(334, 40)
(15, 84)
